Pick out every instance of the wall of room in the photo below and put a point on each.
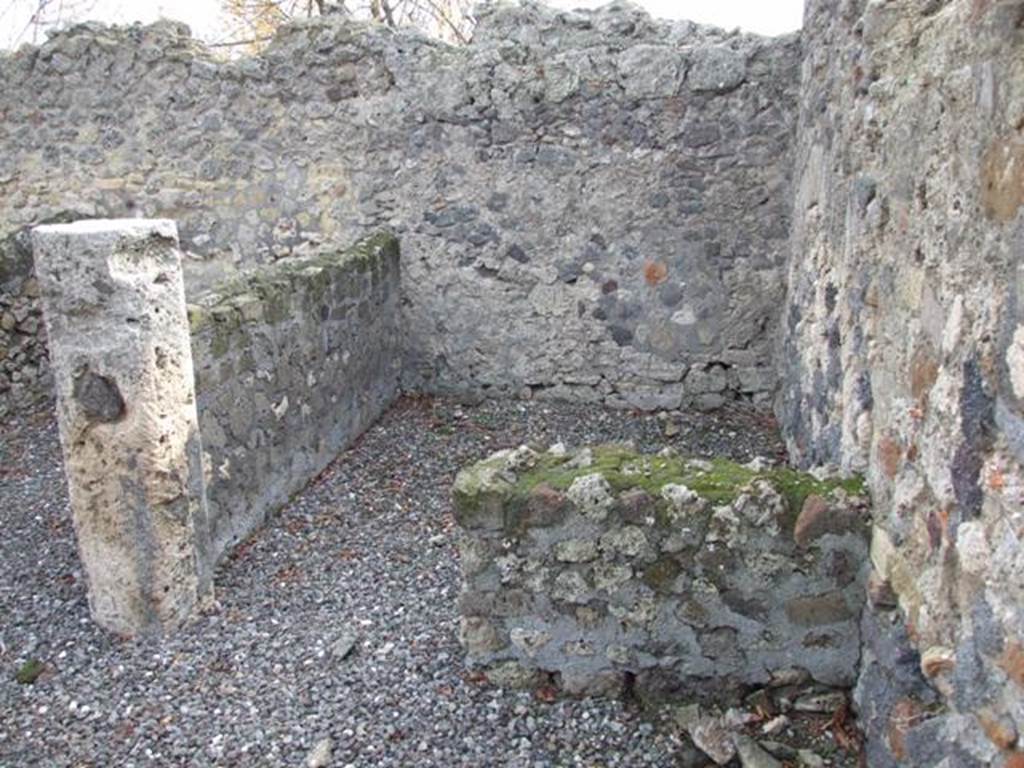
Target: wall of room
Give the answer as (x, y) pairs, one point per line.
(591, 205)
(601, 207)
(902, 351)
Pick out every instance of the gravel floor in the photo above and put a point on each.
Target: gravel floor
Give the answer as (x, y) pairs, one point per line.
(366, 549)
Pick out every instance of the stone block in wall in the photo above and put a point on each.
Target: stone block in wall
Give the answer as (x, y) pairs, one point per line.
(293, 362)
(605, 569)
(716, 68)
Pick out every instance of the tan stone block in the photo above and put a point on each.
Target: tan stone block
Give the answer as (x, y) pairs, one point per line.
(811, 521)
(881, 593)
(1002, 178)
(905, 714)
(478, 635)
(819, 517)
(1012, 661)
(882, 551)
(924, 371)
(114, 304)
(890, 454)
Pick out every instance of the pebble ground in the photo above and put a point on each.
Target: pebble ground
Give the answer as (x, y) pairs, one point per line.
(367, 550)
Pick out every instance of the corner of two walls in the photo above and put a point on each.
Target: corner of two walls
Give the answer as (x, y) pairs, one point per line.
(604, 178)
(901, 352)
(592, 205)
(599, 210)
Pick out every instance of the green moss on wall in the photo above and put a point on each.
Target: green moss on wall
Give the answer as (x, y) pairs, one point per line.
(719, 481)
(488, 495)
(273, 287)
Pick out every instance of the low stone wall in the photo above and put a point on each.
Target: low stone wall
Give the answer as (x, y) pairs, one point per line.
(292, 363)
(605, 569)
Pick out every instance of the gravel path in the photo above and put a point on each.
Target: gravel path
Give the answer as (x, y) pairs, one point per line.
(367, 552)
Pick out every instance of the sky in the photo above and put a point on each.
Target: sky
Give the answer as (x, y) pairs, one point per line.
(769, 17)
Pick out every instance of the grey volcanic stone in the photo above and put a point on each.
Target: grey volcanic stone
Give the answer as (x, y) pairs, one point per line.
(674, 599)
(98, 396)
(716, 68)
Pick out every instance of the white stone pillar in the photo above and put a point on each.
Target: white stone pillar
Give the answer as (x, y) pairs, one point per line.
(114, 302)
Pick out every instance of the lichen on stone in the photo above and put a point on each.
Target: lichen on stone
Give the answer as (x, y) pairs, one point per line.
(669, 478)
(266, 293)
(29, 672)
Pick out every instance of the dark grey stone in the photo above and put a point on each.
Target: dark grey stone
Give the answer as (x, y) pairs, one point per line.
(622, 336)
(99, 397)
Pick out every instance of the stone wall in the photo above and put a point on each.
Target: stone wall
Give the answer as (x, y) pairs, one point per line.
(902, 351)
(606, 571)
(592, 205)
(597, 206)
(24, 367)
(293, 362)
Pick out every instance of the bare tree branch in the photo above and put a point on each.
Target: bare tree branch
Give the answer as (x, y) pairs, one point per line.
(449, 19)
(236, 43)
(27, 19)
(444, 15)
(388, 15)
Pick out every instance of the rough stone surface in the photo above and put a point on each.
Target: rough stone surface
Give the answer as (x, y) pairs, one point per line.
(703, 591)
(599, 207)
(902, 350)
(293, 362)
(118, 332)
(25, 378)
(591, 204)
(256, 682)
